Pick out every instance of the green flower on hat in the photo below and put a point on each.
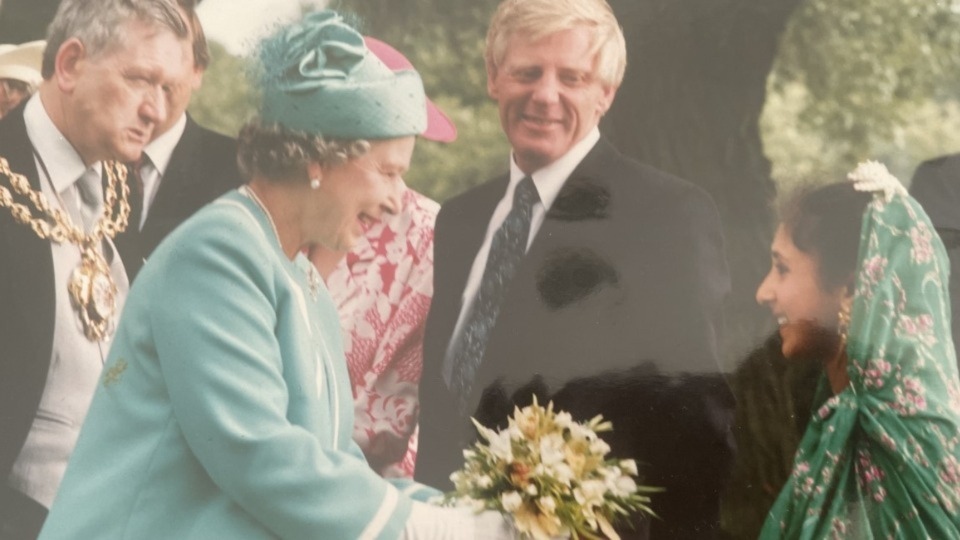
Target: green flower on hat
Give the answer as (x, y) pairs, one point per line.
(320, 77)
(318, 48)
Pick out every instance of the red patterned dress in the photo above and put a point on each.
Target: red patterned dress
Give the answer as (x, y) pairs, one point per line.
(382, 290)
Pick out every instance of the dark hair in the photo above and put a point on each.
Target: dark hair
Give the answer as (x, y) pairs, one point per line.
(825, 222)
(201, 51)
(16, 85)
(278, 153)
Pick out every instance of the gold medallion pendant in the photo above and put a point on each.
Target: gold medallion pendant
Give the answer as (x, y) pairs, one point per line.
(93, 292)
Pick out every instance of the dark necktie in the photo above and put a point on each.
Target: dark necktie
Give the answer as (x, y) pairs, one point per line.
(128, 241)
(135, 182)
(506, 251)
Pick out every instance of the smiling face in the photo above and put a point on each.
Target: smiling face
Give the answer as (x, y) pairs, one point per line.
(805, 310)
(549, 94)
(357, 193)
(118, 98)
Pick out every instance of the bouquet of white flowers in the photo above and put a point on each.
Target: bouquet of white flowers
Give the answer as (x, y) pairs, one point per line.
(551, 475)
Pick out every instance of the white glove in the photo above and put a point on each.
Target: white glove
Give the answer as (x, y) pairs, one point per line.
(428, 522)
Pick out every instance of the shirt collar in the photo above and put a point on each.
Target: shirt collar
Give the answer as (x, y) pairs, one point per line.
(63, 164)
(160, 150)
(551, 178)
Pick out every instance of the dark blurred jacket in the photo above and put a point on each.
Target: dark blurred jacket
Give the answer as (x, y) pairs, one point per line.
(936, 186)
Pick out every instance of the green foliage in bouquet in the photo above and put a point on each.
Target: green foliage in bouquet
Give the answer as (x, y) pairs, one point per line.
(551, 475)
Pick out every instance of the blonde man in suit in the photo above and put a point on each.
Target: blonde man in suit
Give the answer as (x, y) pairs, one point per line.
(574, 270)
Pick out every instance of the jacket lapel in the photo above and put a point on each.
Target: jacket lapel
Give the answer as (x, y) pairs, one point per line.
(175, 182)
(583, 202)
(27, 301)
(461, 241)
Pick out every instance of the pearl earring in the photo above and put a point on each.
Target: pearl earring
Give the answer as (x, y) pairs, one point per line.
(314, 183)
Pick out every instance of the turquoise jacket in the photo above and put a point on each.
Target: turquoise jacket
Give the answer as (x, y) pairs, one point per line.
(225, 409)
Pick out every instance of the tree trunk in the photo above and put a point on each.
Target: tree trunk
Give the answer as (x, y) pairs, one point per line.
(25, 20)
(690, 104)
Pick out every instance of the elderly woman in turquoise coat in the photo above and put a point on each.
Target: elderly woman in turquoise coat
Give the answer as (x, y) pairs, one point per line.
(225, 410)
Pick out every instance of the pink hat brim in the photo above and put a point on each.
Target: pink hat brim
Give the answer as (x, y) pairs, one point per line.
(439, 126)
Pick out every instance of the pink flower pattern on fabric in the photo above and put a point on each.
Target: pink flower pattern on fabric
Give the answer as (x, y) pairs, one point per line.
(870, 476)
(920, 327)
(909, 397)
(876, 372)
(382, 290)
(873, 270)
(922, 250)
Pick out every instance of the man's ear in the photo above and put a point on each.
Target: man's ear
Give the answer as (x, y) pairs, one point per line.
(491, 80)
(606, 99)
(68, 64)
(197, 81)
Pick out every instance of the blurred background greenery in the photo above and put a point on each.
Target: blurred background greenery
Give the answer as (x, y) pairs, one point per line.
(746, 98)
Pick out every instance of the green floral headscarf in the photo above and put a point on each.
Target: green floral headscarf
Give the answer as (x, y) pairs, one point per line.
(880, 459)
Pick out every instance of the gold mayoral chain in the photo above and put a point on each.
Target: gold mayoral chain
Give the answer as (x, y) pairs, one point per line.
(92, 289)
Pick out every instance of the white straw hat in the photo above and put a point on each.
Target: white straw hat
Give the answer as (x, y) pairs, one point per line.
(22, 62)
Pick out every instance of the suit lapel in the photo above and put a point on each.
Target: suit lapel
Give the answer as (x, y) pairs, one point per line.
(462, 225)
(174, 184)
(476, 220)
(17, 148)
(29, 261)
(583, 202)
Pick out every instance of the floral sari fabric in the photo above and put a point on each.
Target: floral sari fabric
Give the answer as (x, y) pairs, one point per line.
(880, 459)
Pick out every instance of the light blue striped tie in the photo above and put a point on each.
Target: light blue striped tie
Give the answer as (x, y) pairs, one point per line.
(90, 189)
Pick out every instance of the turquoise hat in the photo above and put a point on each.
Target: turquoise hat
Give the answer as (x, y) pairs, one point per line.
(319, 77)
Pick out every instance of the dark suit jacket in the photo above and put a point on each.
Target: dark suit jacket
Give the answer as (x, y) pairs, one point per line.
(203, 166)
(27, 303)
(936, 186)
(615, 309)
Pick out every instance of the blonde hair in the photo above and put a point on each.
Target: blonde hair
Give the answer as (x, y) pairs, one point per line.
(536, 19)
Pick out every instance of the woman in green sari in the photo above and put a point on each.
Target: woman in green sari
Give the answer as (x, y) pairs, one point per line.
(859, 282)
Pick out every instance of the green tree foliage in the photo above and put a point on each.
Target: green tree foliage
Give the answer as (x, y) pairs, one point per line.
(226, 100)
(854, 78)
(445, 43)
(480, 152)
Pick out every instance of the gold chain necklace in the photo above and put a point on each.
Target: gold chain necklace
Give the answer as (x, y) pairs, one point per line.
(313, 278)
(92, 289)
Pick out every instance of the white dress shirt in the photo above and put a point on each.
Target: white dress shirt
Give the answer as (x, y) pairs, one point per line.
(160, 150)
(548, 180)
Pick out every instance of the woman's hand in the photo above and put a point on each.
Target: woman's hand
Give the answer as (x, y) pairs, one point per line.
(428, 522)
